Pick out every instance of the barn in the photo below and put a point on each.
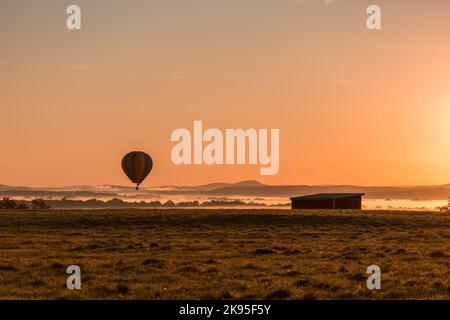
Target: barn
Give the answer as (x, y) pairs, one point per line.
(328, 201)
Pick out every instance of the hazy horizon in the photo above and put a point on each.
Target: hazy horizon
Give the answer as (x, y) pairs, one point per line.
(149, 185)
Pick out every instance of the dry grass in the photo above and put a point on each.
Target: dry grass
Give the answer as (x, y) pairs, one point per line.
(223, 254)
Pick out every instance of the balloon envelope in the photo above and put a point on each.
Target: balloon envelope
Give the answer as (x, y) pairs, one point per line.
(137, 165)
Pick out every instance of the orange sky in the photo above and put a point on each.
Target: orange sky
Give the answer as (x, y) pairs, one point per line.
(353, 106)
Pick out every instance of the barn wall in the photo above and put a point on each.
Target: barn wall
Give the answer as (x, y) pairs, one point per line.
(312, 204)
(348, 203)
(343, 203)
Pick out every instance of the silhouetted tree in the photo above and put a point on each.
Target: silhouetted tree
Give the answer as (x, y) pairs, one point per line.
(7, 203)
(169, 203)
(39, 204)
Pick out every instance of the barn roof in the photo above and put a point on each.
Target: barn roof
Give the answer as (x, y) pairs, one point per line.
(328, 196)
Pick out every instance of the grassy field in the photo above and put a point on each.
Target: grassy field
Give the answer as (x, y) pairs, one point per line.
(224, 254)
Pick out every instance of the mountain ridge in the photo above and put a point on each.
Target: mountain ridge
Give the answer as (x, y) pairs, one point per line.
(250, 188)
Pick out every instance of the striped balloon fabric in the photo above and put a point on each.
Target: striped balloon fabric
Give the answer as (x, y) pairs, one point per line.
(137, 165)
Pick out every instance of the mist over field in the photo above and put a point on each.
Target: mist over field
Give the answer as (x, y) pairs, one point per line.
(243, 193)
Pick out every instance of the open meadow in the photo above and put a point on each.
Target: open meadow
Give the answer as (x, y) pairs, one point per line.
(224, 254)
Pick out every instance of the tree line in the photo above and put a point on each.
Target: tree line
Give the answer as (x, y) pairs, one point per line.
(36, 204)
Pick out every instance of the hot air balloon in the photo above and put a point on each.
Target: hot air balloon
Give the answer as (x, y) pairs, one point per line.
(137, 165)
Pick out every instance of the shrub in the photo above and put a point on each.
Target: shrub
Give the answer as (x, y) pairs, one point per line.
(39, 204)
(7, 203)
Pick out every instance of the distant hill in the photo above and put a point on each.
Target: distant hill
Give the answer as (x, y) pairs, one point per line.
(422, 192)
(248, 188)
(211, 186)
